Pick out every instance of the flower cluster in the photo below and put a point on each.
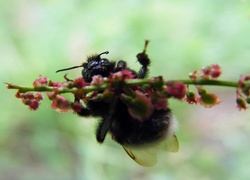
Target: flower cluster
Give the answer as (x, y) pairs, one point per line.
(202, 96)
(141, 96)
(141, 100)
(243, 92)
(52, 89)
(29, 99)
(208, 72)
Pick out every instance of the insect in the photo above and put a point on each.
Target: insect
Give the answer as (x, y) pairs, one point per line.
(141, 140)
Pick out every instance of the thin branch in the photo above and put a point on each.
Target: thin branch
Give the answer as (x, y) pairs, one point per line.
(130, 82)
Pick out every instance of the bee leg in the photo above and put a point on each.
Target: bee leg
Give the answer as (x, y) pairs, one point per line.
(106, 122)
(144, 61)
(120, 66)
(66, 78)
(84, 112)
(143, 72)
(102, 129)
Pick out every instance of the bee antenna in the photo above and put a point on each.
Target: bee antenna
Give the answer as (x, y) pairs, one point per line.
(66, 69)
(105, 52)
(145, 46)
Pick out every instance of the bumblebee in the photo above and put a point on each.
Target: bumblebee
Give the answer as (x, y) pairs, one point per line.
(140, 139)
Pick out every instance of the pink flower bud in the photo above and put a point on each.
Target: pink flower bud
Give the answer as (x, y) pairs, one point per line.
(191, 98)
(193, 75)
(160, 103)
(207, 99)
(38, 96)
(18, 94)
(79, 83)
(122, 75)
(241, 103)
(243, 84)
(139, 107)
(127, 74)
(33, 105)
(41, 81)
(60, 104)
(55, 84)
(51, 95)
(205, 72)
(215, 71)
(77, 107)
(176, 89)
(97, 80)
(28, 96)
(158, 99)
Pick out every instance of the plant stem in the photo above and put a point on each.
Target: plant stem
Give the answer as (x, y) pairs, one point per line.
(130, 82)
(209, 82)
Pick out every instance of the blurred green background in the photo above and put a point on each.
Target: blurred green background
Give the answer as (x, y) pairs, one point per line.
(42, 36)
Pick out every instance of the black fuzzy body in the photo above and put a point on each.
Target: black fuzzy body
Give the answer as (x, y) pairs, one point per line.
(125, 129)
(114, 117)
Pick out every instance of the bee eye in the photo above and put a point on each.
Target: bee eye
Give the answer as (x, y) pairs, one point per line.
(92, 64)
(104, 62)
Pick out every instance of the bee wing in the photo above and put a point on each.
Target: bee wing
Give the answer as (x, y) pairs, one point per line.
(146, 155)
(171, 145)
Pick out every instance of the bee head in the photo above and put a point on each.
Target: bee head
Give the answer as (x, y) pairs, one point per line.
(95, 65)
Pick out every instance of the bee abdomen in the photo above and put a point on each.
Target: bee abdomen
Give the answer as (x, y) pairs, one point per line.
(133, 132)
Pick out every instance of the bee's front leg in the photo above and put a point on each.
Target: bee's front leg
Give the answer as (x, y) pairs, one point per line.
(121, 65)
(144, 61)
